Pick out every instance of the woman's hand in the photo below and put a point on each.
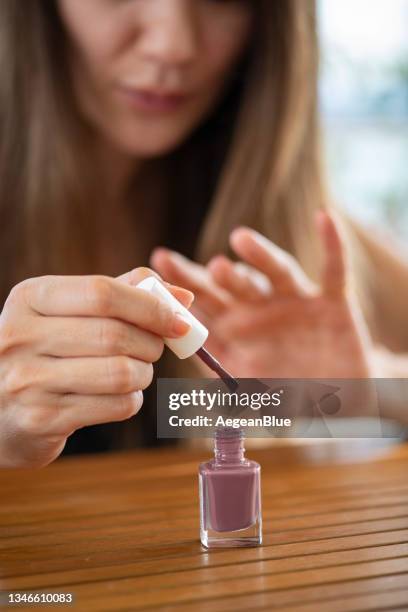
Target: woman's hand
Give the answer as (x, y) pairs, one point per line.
(266, 318)
(76, 351)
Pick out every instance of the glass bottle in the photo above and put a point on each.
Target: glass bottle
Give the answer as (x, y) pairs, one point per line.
(230, 494)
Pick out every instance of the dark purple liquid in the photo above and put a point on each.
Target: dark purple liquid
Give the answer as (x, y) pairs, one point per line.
(216, 367)
(232, 496)
(231, 485)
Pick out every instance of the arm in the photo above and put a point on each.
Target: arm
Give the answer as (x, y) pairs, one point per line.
(385, 274)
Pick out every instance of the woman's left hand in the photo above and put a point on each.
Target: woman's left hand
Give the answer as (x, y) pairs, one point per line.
(266, 318)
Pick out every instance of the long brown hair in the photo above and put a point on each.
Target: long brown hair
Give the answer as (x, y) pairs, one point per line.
(256, 160)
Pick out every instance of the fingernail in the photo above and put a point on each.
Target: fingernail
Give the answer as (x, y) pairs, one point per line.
(180, 325)
(185, 293)
(260, 239)
(241, 270)
(180, 290)
(175, 256)
(182, 295)
(191, 298)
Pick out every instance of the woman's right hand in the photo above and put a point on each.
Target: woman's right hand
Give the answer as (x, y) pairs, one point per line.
(76, 351)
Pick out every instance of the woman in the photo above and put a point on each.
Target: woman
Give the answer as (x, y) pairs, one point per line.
(131, 124)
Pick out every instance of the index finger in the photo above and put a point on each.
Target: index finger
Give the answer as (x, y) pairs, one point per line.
(136, 275)
(284, 272)
(178, 269)
(103, 296)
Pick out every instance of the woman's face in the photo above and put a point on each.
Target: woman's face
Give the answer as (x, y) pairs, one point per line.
(146, 72)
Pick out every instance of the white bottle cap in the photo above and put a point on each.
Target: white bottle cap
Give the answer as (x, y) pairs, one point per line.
(194, 339)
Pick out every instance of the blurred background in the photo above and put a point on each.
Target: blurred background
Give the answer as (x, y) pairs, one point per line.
(364, 102)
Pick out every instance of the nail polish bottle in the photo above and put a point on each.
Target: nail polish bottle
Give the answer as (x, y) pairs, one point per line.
(230, 494)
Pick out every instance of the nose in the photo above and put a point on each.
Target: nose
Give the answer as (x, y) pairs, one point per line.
(171, 35)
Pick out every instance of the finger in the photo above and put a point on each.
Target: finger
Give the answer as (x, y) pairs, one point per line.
(92, 375)
(285, 274)
(243, 282)
(179, 270)
(102, 296)
(93, 337)
(76, 411)
(184, 296)
(333, 278)
(135, 276)
(212, 343)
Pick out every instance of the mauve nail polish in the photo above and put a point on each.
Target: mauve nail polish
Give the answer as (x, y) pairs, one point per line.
(230, 494)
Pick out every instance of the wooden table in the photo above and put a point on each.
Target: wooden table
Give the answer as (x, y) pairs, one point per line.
(121, 532)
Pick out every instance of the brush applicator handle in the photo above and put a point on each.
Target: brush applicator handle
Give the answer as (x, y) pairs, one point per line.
(194, 339)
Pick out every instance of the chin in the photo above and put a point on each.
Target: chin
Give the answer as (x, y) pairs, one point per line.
(150, 144)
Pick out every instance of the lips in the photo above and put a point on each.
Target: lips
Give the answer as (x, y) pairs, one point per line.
(153, 101)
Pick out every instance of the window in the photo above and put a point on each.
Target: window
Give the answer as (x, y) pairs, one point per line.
(364, 102)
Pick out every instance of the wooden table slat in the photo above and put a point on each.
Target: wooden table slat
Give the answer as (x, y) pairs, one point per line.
(121, 532)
